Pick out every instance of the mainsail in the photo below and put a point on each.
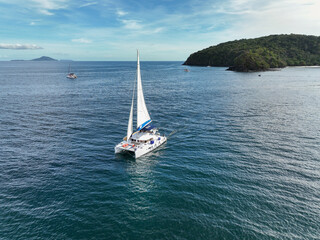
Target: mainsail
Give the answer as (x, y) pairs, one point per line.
(130, 123)
(143, 117)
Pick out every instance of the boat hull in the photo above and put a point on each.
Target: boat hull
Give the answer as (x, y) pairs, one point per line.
(141, 149)
(72, 76)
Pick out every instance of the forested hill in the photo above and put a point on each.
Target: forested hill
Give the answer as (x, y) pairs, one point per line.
(260, 54)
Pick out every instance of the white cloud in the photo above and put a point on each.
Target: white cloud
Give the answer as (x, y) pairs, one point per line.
(50, 4)
(46, 6)
(157, 30)
(132, 24)
(81, 40)
(46, 12)
(88, 4)
(34, 22)
(121, 13)
(42, 6)
(19, 46)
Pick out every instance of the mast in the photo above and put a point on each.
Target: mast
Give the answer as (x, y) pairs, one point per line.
(143, 117)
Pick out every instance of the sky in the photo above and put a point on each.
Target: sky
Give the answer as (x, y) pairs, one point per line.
(163, 30)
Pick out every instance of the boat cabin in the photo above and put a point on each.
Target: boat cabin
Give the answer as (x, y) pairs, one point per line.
(142, 137)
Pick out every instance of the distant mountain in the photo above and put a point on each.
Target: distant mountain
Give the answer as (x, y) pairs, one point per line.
(44, 58)
(260, 54)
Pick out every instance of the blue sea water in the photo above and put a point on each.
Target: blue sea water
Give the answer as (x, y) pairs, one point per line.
(242, 160)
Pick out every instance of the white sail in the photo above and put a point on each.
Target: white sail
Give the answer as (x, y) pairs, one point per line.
(143, 117)
(130, 122)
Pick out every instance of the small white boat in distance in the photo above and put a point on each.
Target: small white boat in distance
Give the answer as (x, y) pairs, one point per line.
(71, 75)
(146, 138)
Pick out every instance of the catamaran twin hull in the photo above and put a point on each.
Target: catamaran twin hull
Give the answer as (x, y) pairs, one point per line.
(139, 149)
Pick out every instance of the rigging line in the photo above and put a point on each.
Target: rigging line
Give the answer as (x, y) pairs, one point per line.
(175, 131)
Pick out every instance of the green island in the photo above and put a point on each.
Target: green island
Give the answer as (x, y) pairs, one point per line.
(260, 54)
(44, 58)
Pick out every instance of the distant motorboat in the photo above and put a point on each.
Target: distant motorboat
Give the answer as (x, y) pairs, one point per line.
(71, 75)
(146, 137)
(186, 70)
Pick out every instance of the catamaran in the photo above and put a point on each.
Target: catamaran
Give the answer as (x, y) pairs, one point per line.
(71, 75)
(146, 138)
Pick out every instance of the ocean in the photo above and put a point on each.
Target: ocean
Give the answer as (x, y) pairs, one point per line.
(242, 159)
